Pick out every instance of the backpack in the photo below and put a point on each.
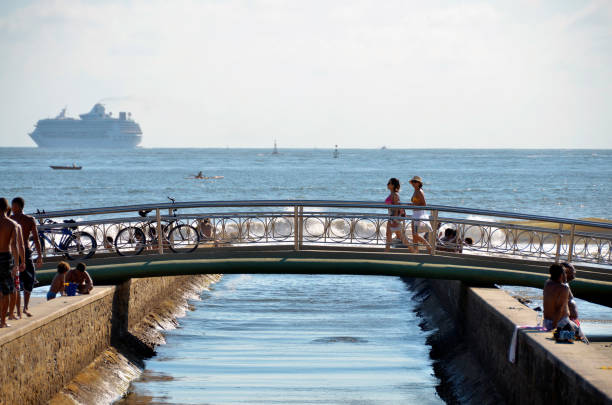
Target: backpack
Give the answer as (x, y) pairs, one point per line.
(567, 334)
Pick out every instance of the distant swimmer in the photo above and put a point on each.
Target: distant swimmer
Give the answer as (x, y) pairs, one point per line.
(200, 176)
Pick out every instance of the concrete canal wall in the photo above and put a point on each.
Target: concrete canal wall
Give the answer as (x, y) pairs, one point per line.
(544, 372)
(40, 355)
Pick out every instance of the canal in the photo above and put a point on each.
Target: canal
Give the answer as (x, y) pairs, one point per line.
(294, 339)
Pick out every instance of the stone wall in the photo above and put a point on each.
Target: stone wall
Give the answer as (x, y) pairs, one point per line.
(42, 355)
(37, 363)
(544, 372)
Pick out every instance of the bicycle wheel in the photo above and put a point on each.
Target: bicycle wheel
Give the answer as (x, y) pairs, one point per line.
(183, 239)
(80, 245)
(130, 241)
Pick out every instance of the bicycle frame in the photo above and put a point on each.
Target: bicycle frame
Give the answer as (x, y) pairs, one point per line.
(65, 232)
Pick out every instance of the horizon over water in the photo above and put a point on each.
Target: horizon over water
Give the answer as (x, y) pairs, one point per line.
(554, 182)
(306, 339)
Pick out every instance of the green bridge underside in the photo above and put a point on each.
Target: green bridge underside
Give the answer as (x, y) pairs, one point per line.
(593, 284)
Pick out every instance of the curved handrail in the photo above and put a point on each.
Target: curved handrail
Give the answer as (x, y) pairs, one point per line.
(343, 222)
(314, 203)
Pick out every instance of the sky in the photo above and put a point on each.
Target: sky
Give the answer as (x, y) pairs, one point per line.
(315, 73)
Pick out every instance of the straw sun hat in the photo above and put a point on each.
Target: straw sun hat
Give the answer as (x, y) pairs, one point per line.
(416, 179)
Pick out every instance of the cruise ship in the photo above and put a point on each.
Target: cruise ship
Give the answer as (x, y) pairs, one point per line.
(96, 128)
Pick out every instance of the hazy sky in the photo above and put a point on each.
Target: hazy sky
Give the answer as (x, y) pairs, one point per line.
(361, 73)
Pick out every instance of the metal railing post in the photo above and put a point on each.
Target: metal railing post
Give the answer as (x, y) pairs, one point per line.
(296, 230)
(301, 228)
(459, 240)
(559, 238)
(432, 234)
(160, 239)
(570, 246)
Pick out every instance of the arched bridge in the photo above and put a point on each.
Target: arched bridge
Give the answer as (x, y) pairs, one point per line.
(325, 237)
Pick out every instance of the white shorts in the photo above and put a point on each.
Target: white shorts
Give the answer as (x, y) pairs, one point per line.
(395, 226)
(421, 226)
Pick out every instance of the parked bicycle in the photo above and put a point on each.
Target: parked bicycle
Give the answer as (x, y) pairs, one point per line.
(179, 237)
(67, 241)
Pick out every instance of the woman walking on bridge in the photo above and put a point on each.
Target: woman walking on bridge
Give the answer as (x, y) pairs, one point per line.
(394, 225)
(420, 219)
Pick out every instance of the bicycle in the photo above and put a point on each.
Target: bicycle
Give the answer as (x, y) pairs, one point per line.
(73, 244)
(180, 238)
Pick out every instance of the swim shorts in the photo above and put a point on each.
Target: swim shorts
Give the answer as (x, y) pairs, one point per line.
(7, 284)
(28, 276)
(548, 324)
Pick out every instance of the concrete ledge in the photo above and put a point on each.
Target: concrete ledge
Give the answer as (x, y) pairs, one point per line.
(544, 371)
(49, 311)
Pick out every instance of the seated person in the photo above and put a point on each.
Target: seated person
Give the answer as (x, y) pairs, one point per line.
(81, 278)
(206, 229)
(467, 242)
(108, 242)
(57, 285)
(448, 242)
(570, 274)
(556, 298)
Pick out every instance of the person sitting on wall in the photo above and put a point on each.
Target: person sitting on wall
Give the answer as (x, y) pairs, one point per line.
(81, 278)
(206, 229)
(570, 274)
(468, 242)
(108, 243)
(57, 285)
(556, 299)
(448, 242)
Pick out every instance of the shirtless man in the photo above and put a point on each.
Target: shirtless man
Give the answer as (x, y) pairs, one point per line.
(556, 298)
(28, 228)
(14, 301)
(8, 267)
(570, 274)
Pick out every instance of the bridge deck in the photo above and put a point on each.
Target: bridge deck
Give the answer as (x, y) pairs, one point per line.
(593, 284)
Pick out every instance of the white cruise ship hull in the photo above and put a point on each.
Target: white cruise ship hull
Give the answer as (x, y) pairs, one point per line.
(95, 129)
(70, 142)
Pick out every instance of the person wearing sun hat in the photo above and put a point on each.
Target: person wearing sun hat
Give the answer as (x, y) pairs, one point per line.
(420, 218)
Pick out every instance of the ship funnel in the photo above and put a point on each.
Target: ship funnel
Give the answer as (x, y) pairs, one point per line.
(122, 116)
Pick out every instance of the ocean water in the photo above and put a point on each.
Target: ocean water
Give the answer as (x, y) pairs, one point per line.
(560, 183)
(300, 339)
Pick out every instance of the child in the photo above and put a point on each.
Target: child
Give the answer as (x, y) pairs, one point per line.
(57, 285)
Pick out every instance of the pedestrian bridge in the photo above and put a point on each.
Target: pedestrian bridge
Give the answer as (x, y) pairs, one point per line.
(325, 237)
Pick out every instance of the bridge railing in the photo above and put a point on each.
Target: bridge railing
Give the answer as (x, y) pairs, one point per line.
(184, 226)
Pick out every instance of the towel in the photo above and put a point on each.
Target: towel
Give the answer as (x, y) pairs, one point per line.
(513, 341)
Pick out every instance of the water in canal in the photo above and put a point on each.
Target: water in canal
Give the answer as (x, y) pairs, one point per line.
(294, 339)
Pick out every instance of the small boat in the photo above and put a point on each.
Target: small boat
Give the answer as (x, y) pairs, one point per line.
(336, 152)
(73, 167)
